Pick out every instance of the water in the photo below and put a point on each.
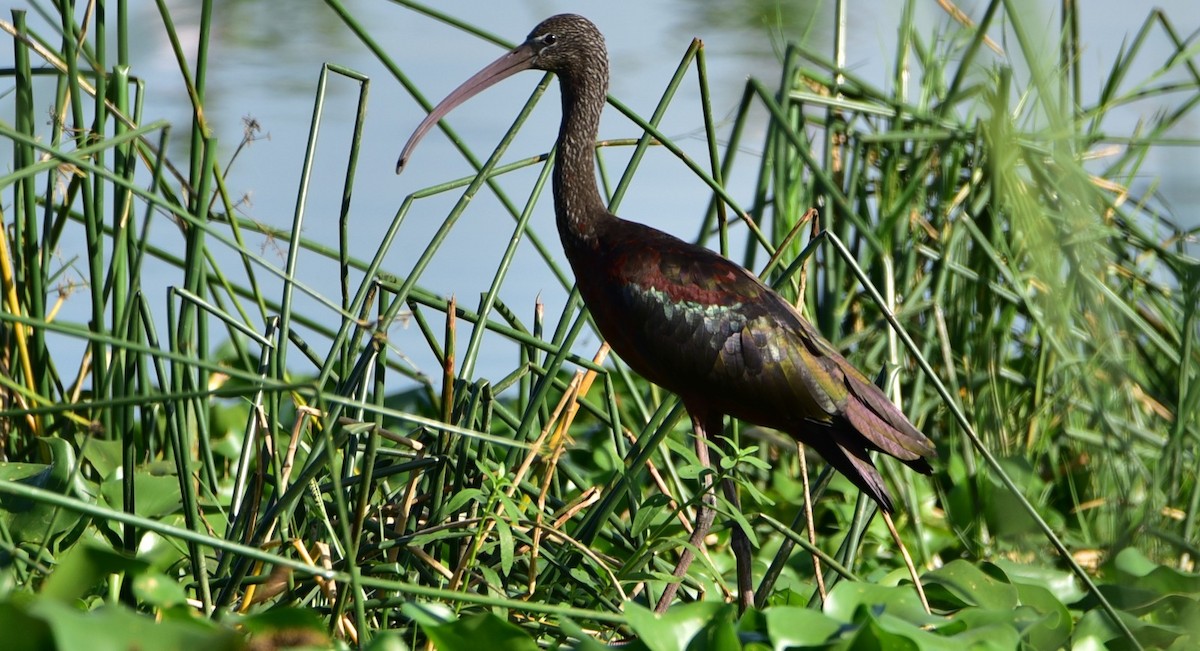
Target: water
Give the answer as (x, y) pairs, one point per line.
(267, 54)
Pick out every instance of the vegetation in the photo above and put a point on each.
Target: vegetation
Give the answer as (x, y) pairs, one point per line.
(253, 474)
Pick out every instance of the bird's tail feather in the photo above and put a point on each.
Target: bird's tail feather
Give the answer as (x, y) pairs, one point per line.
(885, 426)
(856, 465)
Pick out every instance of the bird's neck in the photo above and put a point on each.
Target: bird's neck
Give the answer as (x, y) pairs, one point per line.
(577, 202)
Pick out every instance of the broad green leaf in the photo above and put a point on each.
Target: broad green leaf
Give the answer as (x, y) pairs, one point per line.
(83, 567)
(1147, 574)
(158, 590)
(1096, 625)
(847, 596)
(31, 521)
(870, 635)
(154, 495)
(428, 613)
(1132, 562)
(973, 618)
(1094, 630)
(792, 626)
(997, 637)
(698, 626)
(35, 631)
(161, 551)
(959, 583)
(1049, 624)
(1140, 586)
(386, 641)
(1061, 583)
(103, 455)
(894, 632)
(118, 629)
(479, 631)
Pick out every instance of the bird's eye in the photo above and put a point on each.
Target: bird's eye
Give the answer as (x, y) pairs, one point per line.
(550, 39)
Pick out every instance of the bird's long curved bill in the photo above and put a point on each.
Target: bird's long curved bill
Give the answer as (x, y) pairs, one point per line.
(516, 60)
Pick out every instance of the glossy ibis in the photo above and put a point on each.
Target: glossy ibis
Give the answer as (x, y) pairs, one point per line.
(688, 319)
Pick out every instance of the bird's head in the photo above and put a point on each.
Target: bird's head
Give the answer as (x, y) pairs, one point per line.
(564, 44)
(567, 45)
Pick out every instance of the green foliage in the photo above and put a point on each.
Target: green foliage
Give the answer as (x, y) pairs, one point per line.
(243, 471)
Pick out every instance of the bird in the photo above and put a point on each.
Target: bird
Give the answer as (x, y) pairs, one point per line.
(688, 319)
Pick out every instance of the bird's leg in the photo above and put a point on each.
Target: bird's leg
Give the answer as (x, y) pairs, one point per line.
(740, 542)
(705, 513)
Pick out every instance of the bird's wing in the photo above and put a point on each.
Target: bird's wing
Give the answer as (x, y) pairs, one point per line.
(826, 373)
(704, 327)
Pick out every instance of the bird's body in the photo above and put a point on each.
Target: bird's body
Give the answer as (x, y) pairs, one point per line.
(707, 330)
(681, 315)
